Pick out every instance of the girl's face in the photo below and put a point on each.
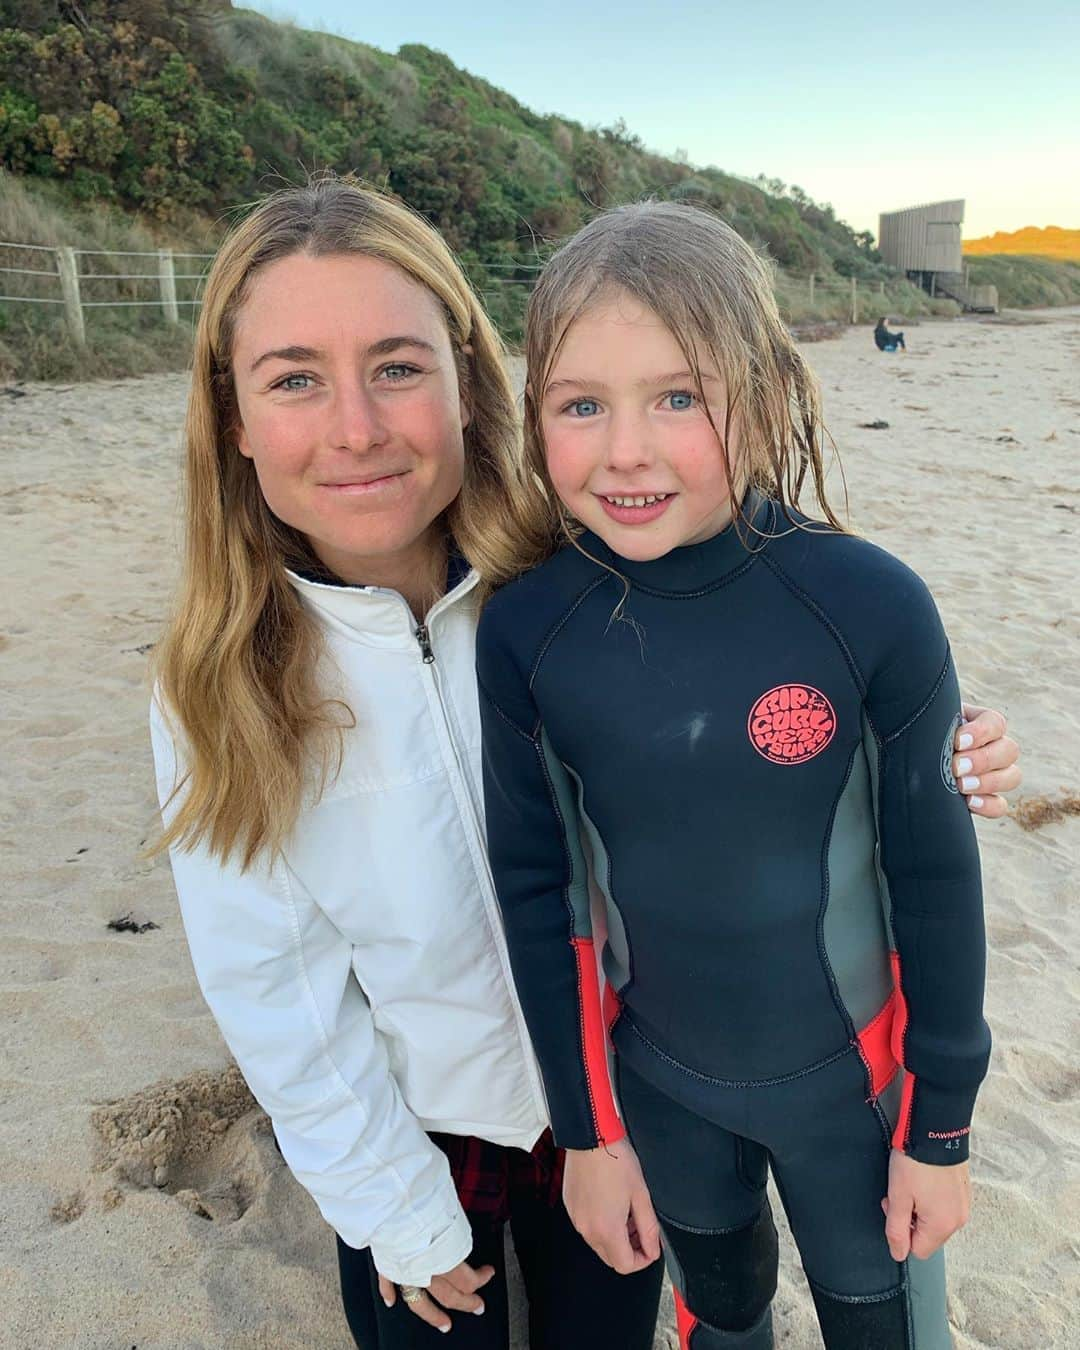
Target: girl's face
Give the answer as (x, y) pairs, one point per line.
(350, 409)
(628, 445)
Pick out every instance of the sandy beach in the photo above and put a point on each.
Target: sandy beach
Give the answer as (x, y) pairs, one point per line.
(144, 1203)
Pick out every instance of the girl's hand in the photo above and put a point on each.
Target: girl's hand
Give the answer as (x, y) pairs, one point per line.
(925, 1205)
(456, 1289)
(985, 765)
(608, 1203)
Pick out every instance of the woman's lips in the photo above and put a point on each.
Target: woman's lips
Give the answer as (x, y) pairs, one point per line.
(365, 487)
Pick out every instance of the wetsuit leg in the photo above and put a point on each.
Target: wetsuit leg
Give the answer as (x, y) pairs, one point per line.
(708, 1187)
(830, 1158)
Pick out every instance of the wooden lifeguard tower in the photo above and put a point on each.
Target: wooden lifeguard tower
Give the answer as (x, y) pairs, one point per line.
(925, 243)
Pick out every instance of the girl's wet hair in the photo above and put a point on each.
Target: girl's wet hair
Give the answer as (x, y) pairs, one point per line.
(715, 295)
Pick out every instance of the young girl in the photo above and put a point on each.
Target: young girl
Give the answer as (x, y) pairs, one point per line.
(732, 726)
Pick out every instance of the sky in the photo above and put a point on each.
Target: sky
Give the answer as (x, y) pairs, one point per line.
(871, 107)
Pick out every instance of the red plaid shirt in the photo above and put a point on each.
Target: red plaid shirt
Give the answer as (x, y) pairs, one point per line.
(488, 1176)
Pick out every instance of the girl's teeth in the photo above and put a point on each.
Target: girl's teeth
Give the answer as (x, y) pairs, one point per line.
(638, 501)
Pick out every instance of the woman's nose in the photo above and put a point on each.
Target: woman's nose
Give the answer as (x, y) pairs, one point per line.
(357, 423)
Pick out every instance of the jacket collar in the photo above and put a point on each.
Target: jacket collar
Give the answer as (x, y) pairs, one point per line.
(373, 614)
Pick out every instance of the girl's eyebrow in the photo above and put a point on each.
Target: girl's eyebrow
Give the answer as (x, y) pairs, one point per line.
(381, 348)
(647, 382)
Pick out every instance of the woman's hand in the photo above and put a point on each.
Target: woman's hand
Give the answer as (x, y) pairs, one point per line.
(985, 761)
(609, 1205)
(925, 1205)
(456, 1289)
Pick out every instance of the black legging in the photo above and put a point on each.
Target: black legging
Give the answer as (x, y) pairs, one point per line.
(576, 1302)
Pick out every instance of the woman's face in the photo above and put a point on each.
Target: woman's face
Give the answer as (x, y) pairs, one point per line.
(350, 409)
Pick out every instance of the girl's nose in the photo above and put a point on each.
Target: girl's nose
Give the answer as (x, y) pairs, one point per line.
(356, 422)
(629, 445)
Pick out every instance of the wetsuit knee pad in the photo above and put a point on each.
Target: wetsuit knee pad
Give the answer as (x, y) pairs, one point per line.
(726, 1278)
(870, 1322)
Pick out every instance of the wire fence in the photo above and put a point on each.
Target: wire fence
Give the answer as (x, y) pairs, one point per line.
(77, 280)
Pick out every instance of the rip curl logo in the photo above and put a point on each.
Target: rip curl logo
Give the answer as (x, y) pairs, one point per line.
(947, 754)
(791, 723)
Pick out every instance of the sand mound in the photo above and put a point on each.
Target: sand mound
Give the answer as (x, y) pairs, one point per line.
(200, 1138)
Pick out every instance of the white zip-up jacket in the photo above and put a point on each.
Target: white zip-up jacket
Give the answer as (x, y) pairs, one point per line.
(362, 981)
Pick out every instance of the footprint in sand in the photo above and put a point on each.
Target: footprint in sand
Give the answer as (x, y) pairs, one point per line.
(201, 1139)
(1046, 1074)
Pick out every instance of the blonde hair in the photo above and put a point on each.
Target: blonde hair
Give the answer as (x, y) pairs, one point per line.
(715, 295)
(237, 667)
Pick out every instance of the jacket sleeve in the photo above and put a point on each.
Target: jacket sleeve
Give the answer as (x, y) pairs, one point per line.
(930, 861)
(542, 883)
(277, 976)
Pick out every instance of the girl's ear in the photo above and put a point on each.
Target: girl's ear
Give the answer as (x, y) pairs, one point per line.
(242, 442)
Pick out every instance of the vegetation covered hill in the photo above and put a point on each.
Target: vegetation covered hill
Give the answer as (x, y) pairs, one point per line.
(152, 120)
(1050, 242)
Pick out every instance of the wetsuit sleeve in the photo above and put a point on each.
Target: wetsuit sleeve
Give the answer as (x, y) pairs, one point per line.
(542, 882)
(930, 860)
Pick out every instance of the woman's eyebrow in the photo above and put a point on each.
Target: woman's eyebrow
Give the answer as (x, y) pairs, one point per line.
(380, 348)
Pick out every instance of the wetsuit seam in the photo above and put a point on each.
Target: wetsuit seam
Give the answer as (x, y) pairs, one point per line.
(505, 716)
(710, 589)
(812, 605)
(734, 1082)
(708, 1232)
(560, 623)
(552, 795)
(885, 1296)
(925, 704)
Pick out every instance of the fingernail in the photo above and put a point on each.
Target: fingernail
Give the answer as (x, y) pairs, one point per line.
(969, 784)
(963, 766)
(479, 1311)
(973, 802)
(445, 1329)
(965, 742)
(388, 1303)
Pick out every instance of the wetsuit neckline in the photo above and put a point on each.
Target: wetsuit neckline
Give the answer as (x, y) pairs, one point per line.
(696, 565)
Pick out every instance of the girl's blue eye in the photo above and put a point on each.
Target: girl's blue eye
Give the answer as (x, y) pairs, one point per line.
(584, 407)
(681, 400)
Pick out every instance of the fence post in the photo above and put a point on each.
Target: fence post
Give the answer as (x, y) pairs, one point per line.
(811, 288)
(167, 275)
(881, 288)
(69, 284)
(854, 301)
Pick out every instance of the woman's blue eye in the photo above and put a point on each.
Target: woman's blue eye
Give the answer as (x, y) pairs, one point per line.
(681, 400)
(290, 383)
(584, 407)
(399, 371)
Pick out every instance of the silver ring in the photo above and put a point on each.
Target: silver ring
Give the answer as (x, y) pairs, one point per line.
(411, 1293)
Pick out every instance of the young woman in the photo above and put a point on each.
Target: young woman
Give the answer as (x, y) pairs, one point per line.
(735, 724)
(352, 449)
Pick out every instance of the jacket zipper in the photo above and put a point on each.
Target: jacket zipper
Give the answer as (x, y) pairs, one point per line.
(424, 639)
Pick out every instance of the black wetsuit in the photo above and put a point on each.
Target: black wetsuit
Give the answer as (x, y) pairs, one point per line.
(749, 767)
